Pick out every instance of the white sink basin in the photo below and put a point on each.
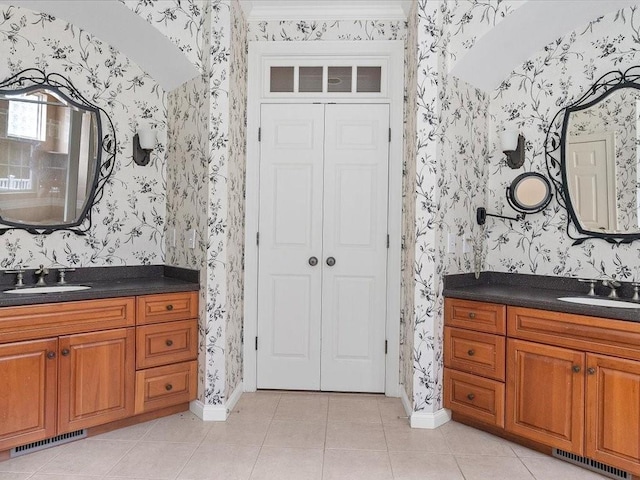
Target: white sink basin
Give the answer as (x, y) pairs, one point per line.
(600, 302)
(51, 289)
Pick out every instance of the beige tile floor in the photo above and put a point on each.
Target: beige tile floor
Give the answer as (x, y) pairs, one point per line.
(273, 435)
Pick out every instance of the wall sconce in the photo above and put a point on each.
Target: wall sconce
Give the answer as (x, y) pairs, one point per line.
(513, 147)
(143, 142)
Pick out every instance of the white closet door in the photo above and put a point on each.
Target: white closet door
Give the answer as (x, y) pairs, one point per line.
(289, 288)
(355, 235)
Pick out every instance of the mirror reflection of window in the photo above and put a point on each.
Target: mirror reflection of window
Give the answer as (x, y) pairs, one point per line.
(28, 116)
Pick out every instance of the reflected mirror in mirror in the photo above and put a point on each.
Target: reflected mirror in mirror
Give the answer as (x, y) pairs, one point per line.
(529, 193)
(601, 162)
(48, 157)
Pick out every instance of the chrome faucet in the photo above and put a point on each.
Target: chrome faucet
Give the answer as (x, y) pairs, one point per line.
(41, 273)
(62, 272)
(613, 285)
(19, 276)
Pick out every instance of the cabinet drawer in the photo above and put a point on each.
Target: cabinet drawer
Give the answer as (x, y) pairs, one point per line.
(480, 316)
(473, 352)
(166, 343)
(51, 320)
(475, 397)
(167, 307)
(161, 387)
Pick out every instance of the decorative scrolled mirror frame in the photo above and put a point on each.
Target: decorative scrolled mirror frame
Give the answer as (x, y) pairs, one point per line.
(33, 79)
(556, 157)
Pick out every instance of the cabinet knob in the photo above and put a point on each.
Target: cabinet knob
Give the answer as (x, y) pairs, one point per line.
(65, 352)
(576, 368)
(591, 371)
(471, 396)
(472, 315)
(471, 352)
(169, 342)
(168, 387)
(51, 355)
(169, 307)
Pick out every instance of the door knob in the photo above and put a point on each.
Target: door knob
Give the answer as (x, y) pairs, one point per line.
(313, 261)
(331, 261)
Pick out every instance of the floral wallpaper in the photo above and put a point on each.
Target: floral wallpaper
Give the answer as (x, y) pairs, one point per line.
(408, 203)
(303, 30)
(617, 114)
(236, 194)
(451, 175)
(468, 20)
(128, 223)
(206, 173)
(179, 20)
(528, 99)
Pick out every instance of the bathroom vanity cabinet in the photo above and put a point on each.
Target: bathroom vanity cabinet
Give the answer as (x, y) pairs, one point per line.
(570, 381)
(74, 365)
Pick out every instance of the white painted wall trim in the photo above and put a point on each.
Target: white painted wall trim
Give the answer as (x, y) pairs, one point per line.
(216, 413)
(423, 419)
(430, 420)
(406, 403)
(259, 52)
(256, 10)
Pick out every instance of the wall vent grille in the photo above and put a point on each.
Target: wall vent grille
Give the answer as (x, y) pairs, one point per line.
(47, 443)
(593, 465)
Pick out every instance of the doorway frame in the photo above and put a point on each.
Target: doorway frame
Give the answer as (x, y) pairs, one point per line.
(260, 55)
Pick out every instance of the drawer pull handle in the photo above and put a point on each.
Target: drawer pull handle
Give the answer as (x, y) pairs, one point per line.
(51, 355)
(65, 352)
(169, 342)
(576, 368)
(471, 396)
(472, 315)
(169, 307)
(591, 371)
(471, 352)
(168, 387)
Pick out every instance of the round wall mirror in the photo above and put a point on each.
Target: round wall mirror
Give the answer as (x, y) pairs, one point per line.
(529, 193)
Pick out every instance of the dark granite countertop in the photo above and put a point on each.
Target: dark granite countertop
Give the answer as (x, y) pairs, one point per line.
(105, 282)
(536, 291)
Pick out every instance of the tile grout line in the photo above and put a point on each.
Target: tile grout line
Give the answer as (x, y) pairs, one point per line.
(192, 453)
(265, 437)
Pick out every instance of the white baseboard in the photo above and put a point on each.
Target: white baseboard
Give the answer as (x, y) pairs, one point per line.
(406, 403)
(423, 419)
(430, 420)
(216, 413)
(234, 397)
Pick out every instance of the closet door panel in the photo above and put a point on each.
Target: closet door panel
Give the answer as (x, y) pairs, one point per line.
(354, 246)
(289, 288)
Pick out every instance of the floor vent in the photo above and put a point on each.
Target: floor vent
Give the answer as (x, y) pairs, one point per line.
(49, 442)
(593, 465)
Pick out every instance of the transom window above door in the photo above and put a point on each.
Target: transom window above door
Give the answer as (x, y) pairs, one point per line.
(309, 79)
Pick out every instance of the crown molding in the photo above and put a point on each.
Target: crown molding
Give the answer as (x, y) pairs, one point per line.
(256, 10)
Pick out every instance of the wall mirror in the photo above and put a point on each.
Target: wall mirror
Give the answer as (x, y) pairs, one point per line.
(592, 157)
(529, 192)
(54, 156)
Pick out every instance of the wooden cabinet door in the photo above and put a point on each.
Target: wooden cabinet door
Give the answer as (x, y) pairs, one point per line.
(545, 394)
(613, 412)
(28, 375)
(97, 378)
